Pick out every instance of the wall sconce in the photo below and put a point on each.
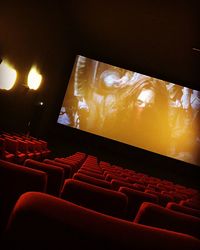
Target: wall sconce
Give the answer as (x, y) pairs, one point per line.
(8, 75)
(34, 78)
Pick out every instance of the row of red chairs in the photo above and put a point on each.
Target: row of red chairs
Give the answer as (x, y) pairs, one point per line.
(17, 148)
(116, 177)
(15, 179)
(102, 199)
(41, 221)
(83, 193)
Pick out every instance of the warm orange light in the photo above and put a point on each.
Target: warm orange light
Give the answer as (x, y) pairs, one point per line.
(8, 76)
(34, 78)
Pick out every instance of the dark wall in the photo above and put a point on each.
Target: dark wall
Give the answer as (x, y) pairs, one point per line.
(151, 37)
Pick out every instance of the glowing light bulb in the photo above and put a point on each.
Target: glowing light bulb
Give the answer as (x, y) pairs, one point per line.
(8, 76)
(34, 78)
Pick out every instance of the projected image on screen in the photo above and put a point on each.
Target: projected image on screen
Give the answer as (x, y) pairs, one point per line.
(133, 108)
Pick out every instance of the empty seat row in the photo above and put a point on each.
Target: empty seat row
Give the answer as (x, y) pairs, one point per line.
(157, 216)
(183, 209)
(17, 149)
(15, 180)
(94, 197)
(179, 192)
(46, 222)
(89, 191)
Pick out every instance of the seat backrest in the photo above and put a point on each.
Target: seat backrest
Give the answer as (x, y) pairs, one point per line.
(187, 210)
(75, 164)
(11, 145)
(55, 175)
(15, 180)
(92, 180)
(90, 173)
(67, 168)
(92, 169)
(190, 203)
(47, 222)
(109, 177)
(158, 216)
(116, 184)
(97, 198)
(135, 199)
(163, 199)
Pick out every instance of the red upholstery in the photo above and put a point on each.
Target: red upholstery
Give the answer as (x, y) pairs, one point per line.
(44, 146)
(157, 216)
(32, 149)
(112, 172)
(97, 198)
(55, 175)
(92, 169)
(75, 164)
(23, 147)
(42, 221)
(191, 204)
(139, 187)
(39, 149)
(67, 168)
(163, 199)
(104, 164)
(135, 199)
(109, 177)
(133, 179)
(178, 196)
(92, 180)
(90, 173)
(14, 181)
(12, 146)
(187, 210)
(116, 184)
(4, 155)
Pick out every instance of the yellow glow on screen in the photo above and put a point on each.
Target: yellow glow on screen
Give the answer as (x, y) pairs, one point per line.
(133, 108)
(8, 75)
(34, 78)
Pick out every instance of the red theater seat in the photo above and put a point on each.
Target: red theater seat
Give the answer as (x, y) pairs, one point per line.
(112, 172)
(163, 199)
(39, 150)
(4, 155)
(157, 216)
(97, 198)
(32, 149)
(92, 180)
(23, 147)
(191, 203)
(187, 210)
(139, 187)
(12, 146)
(109, 177)
(41, 221)
(104, 164)
(116, 184)
(75, 164)
(44, 146)
(92, 169)
(15, 180)
(135, 199)
(67, 168)
(135, 179)
(92, 174)
(55, 175)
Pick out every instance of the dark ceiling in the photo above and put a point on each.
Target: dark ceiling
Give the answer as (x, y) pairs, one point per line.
(152, 37)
